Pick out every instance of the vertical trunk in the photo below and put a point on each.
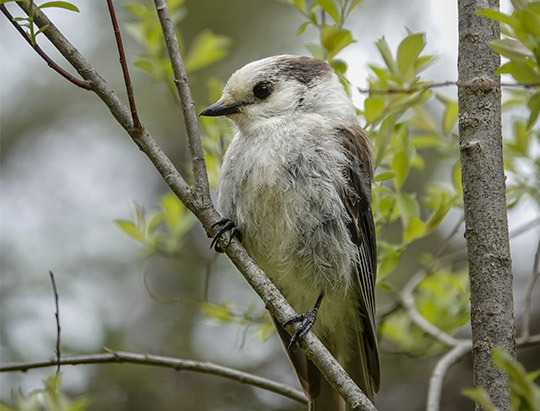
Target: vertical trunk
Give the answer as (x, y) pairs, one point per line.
(490, 268)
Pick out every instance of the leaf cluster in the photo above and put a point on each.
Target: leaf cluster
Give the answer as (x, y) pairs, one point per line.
(49, 398)
(164, 231)
(205, 49)
(521, 46)
(28, 21)
(524, 393)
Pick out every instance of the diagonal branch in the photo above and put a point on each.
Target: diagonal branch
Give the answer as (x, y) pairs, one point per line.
(50, 62)
(419, 320)
(120, 357)
(188, 106)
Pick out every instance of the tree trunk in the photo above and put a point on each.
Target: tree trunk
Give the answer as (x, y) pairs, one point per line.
(490, 266)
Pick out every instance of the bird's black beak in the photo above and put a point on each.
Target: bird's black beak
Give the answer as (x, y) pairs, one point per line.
(221, 109)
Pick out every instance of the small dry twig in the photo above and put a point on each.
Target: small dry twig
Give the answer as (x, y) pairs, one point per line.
(57, 316)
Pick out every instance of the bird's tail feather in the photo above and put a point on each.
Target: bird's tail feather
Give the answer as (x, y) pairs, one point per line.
(321, 395)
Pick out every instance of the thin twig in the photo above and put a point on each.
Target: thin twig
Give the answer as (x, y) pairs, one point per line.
(177, 364)
(471, 84)
(201, 185)
(452, 357)
(525, 227)
(50, 62)
(419, 320)
(57, 316)
(123, 63)
(439, 373)
(526, 317)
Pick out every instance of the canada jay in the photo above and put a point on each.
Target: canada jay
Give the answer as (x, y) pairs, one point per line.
(296, 187)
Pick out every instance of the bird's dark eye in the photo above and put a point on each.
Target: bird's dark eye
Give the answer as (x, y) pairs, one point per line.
(262, 90)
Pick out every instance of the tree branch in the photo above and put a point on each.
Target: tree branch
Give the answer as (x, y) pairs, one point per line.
(205, 212)
(201, 185)
(124, 65)
(484, 199)
(471, 84)
(57, 317)
(119, 357)
(408, 303)
(439, 373)
(452, 357)
(50, 62)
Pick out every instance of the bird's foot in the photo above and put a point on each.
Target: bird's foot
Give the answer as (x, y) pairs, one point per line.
(226, 225)
(306, 320)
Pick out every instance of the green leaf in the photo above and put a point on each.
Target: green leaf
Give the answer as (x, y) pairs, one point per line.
(408, 207)
(383, 138)
(303, 28)
(129, 228)
(450, 117)
(339, 66)
(386, 54)
(373, 107)
(534, 106)
(498, 16)
(425, 140)
(388, 264)
(456, 177)
(218, 312)
(334, 40)
(511, 48)
(173, 210)
(42, 29)
(387, 175)
(300, 5)
(353, 5)
(155, 222)
(522, 71)
(423, 63)
(401, 165)
(59, 4)
(330, 7)
(415, 229)
(438, 215)
(386, 286)
(265, 331)
(205, 49)
(521, 138)
(316, 51)
(408, 51)
(481, 397)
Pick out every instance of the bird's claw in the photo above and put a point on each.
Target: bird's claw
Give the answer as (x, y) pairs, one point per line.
(226, 225)
(306, 320)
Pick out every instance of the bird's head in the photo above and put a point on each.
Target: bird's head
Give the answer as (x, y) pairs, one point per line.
(280, 87)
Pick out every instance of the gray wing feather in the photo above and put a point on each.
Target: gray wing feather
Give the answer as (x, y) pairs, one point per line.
(362, 228)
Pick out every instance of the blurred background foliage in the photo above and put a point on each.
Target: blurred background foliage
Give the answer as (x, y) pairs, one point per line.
(176, 297)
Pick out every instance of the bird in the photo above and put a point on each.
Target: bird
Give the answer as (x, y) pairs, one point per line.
(295, 188)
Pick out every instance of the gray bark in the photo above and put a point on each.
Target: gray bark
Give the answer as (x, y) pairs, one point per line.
(490, 266)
